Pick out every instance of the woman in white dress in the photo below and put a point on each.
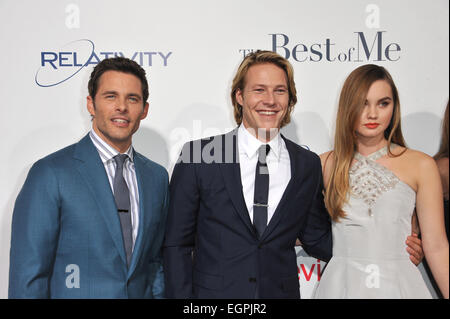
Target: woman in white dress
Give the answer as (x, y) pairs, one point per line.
(373, 183)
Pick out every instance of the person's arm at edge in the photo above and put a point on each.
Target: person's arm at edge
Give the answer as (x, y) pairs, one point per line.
(34, 234)
(430, 213)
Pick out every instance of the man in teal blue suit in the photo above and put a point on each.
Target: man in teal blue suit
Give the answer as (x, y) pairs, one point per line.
(89, 221)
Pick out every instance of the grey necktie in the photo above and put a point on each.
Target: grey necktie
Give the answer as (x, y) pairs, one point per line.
(122, 198)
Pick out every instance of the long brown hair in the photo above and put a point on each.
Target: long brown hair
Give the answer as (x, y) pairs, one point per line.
(351, 104)
(443, 149)
(261, 57)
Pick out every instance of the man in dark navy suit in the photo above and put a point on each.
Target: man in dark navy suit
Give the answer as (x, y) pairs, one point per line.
(240, 200)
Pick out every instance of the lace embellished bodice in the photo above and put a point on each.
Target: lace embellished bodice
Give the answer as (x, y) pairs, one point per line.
(379, 206)
(368, 179)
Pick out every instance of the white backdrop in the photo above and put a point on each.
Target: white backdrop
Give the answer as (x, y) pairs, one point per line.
(191, 50)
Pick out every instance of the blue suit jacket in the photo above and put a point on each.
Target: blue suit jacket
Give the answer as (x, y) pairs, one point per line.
(211, 248)
(66, 237)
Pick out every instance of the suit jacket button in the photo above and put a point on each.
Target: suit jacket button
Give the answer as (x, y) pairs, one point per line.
(252, 279)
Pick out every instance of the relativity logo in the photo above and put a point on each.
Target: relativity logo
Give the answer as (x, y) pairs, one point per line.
(59, 66)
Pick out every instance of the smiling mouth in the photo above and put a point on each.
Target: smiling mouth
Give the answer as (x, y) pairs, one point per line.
(267, 112)
(120, 122)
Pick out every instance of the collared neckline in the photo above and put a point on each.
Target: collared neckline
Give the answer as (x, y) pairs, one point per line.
(106, 151)
(249, 144)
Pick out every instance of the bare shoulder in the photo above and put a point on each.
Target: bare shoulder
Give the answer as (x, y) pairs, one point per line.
(413, 167)
(326, 160)
(326, 155)
(418, 162)
(418, 157)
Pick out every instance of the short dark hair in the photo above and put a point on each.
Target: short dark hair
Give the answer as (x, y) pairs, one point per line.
(120, 64)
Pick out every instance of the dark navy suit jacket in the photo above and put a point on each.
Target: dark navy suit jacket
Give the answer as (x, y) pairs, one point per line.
(211, 249)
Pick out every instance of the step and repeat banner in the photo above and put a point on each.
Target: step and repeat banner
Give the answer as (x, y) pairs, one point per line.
(191, 51)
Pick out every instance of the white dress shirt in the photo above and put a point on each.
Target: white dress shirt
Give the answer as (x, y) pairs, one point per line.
(278, 164)
(107, 154)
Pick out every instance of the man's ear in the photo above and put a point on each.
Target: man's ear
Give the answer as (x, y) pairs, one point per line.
(90, 105)
(145, 112)
(239, 97)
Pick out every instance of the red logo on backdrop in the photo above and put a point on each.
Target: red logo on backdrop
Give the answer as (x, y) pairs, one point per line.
(314, 270)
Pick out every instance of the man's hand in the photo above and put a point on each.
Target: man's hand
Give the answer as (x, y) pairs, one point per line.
(414, 249)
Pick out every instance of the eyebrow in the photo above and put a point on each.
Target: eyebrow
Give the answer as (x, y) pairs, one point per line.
(385, 98)
(276, 86)
(135, 95)
(108, 92)
(116, 93)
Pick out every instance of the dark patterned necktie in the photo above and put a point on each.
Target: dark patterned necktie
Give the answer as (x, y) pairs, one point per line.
(122, 198)
(261, 191)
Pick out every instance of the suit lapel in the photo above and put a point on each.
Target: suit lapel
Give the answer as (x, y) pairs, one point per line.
(291, 189)
(92, 170)
(232, 177)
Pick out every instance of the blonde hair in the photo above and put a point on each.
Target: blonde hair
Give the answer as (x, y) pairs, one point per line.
(351, 104)
(261, 57)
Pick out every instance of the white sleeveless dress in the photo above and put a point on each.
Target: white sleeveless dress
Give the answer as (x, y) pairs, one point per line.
(369, 250)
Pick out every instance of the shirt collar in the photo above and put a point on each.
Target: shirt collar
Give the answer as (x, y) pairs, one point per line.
(106, 151)
(249, 144)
